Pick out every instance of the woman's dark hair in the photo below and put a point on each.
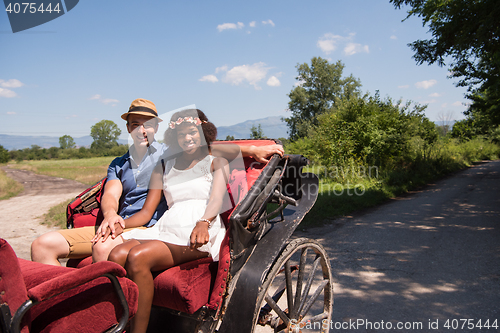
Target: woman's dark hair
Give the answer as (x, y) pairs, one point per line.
(207, 128)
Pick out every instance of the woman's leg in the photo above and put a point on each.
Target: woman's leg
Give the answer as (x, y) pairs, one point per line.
(120, 253)
(145, 258)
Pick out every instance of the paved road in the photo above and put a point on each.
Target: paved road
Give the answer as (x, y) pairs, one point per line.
(432, 255)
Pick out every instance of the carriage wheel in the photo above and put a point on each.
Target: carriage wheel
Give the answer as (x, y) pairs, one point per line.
(297, 294)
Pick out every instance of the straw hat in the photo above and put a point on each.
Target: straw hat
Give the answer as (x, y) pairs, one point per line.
(143, 107)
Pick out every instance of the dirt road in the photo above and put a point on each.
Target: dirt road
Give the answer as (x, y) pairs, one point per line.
(421, 260)
(20, 217)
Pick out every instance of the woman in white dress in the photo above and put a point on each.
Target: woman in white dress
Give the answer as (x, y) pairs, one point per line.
(194, 185)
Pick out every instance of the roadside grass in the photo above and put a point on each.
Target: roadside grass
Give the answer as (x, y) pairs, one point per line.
(352, 188)
(87, 170)
(9, 187)
(56, 216)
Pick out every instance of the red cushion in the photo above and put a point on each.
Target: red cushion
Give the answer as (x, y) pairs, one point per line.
(77, 310)
(185, 287)
(12, 289)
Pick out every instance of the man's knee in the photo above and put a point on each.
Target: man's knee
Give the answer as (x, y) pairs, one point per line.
(101, 250)
(51, 246)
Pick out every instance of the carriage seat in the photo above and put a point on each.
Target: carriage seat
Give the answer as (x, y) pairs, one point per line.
(65, 299)
(192, 285)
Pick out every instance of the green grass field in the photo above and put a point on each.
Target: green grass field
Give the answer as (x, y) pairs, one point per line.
(87, 170)
(8, 187)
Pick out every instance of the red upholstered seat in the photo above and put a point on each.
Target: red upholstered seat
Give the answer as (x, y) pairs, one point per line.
(65, 303)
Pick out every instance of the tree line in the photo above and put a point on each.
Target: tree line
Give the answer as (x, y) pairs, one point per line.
(105, 136)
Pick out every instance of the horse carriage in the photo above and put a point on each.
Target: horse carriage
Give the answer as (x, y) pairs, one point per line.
(265, 279)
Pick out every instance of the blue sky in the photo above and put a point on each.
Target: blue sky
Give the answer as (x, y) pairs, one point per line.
(234, 60)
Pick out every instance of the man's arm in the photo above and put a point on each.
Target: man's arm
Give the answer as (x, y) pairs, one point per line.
(109, 206)
(262, 153)
(259, 153)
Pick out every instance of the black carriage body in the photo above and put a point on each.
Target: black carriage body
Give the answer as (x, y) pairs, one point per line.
(256, 242)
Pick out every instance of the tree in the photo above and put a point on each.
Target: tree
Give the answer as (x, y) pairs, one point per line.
(468, 33)
(229, 137)
(319, 88)
(257, 133)
(66, 142)
(4, 155)
(105, 134)
(445, 122)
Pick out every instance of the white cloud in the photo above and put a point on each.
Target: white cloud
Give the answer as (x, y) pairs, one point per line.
(209, 78)
(225, 26)
(252, 74)
(273, 81)
(406, 86)
(270, 22)
(11, 113)
(330, 42)
(252, 24)
(299, 83)
(12, 83)
(394, 37)
(7, 93)
(444, 105)
(106, 101)
(221, 69)
(353, 48)
(110, 101)
(435, 95)
(458, 103)
(425, 84)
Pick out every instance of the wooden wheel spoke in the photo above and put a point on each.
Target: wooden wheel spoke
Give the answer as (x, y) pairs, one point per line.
(314, 297)
(309, 283)
(300, 278)
(270, 301)
(289, 291)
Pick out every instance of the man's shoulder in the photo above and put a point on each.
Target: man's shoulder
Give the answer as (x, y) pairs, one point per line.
(119, 161)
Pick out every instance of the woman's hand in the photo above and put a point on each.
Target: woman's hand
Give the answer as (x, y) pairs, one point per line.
(199, 235)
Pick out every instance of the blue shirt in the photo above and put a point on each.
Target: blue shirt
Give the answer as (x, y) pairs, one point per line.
(135, 181)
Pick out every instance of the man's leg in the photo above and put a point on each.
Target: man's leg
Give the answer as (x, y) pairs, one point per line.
(66, 243)
(47, 248)
(101, 250)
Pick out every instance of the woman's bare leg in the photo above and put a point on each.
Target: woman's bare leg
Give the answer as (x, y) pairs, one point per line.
(145, 258)
(120, 253)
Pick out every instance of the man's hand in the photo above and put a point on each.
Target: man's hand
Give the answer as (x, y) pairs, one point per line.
(113, 225)
(262, 153)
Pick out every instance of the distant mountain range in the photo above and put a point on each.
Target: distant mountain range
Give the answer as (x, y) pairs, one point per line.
(272, 127)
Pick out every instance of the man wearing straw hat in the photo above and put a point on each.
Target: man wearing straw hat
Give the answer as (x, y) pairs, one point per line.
(126, 188)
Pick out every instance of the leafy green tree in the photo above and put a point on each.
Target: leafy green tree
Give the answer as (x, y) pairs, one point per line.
(466, 33)
(66, 142)
(257, 132)
(320, 87)
(379, 132)
(4, 155)
(229, 137)
(105, 134)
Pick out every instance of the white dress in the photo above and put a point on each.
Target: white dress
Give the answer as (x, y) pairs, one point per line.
(187, 193)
